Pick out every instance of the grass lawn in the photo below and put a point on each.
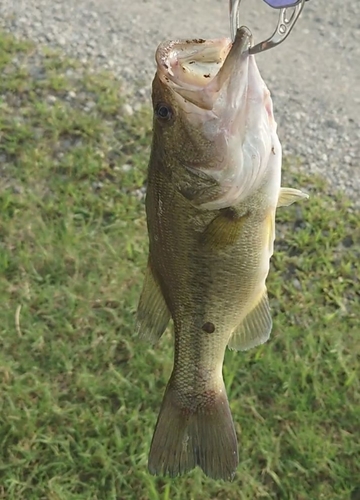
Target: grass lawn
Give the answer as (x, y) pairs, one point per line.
(79, 395)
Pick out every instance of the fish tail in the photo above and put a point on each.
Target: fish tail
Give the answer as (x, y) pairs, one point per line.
(184, 439)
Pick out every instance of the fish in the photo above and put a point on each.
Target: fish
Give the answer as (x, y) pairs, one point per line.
(213, 187)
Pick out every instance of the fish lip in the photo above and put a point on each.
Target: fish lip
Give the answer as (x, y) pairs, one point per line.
(174, 57)
(239, 50)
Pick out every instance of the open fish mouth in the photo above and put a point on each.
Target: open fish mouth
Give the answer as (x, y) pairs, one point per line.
(198, 69)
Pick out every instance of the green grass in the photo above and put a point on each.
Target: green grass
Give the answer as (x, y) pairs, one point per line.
(79, 395)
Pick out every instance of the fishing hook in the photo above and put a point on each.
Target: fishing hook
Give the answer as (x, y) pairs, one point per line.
(288, 16)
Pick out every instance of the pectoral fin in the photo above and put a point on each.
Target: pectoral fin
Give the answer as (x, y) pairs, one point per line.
(288, 196)
(223, 231)
(152, 315)
(255, 328)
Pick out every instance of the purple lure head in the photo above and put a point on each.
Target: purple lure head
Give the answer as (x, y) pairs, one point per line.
(282, 4)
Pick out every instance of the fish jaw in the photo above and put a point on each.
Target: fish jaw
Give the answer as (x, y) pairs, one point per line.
(219, 90)
(197, 70)
(188, 66)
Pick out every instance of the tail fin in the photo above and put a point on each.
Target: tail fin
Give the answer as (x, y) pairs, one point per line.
(205, 437)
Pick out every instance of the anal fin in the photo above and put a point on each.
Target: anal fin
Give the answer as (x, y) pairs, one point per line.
(255, 328)
(153, 314)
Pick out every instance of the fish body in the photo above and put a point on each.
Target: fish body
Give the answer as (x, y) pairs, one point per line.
(213, 187)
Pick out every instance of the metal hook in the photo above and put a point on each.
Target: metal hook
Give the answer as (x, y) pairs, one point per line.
(234, 17)
(288, 17)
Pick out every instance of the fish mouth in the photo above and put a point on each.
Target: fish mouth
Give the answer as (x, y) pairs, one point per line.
(198, 69)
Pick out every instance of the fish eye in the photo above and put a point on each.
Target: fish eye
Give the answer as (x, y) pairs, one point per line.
(163, 111)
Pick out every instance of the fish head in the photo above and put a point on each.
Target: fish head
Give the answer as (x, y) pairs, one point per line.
(213, 120)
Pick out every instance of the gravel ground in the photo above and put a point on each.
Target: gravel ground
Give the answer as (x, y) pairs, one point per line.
(314, 76)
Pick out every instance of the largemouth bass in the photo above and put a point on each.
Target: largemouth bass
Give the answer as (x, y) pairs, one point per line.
(213, 188)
